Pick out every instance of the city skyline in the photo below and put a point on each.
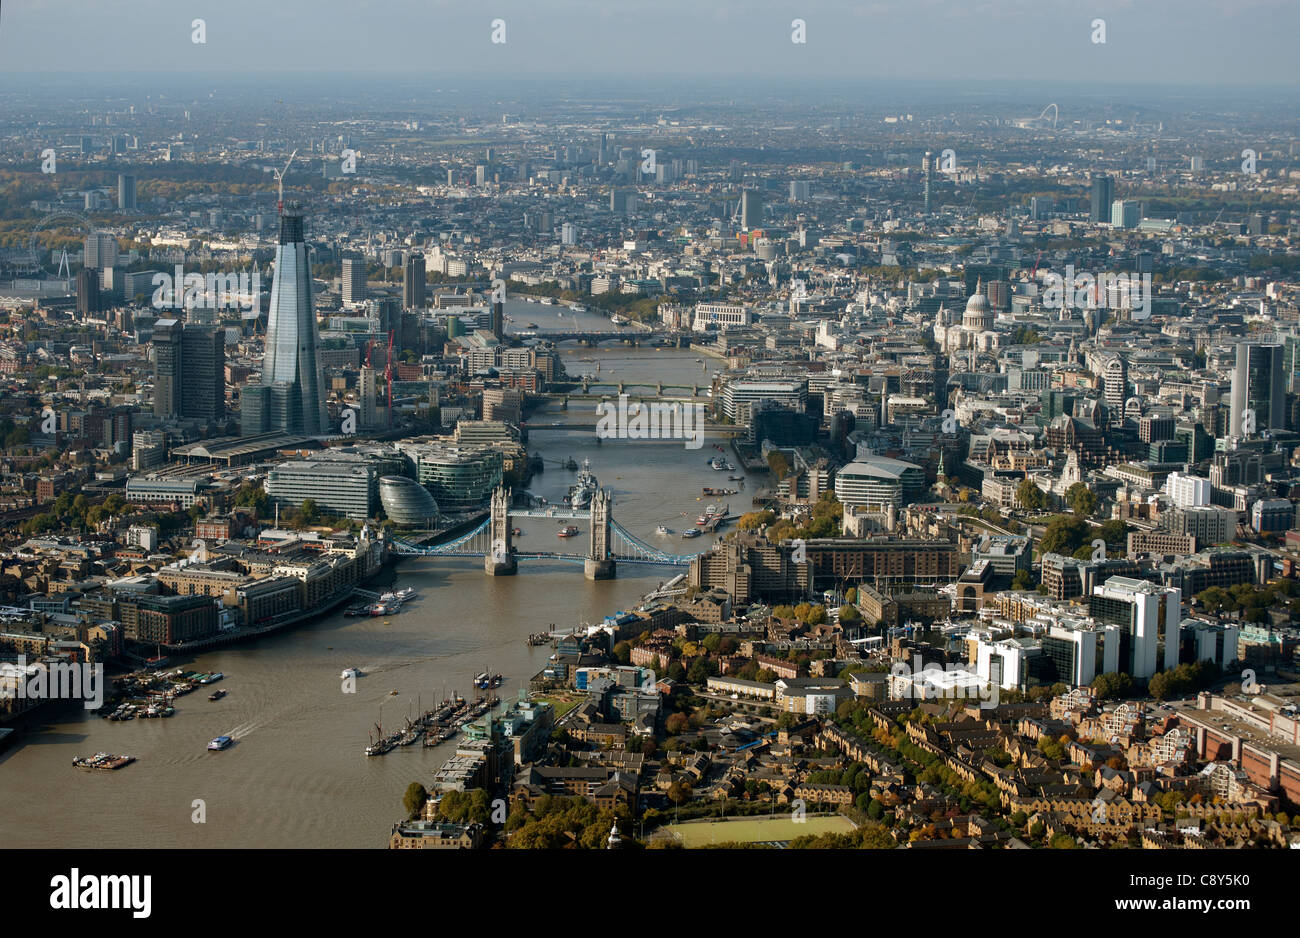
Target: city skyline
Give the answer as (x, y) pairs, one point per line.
(597, 427)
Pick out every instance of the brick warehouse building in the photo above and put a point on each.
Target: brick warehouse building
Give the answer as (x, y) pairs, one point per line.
(1261, 737)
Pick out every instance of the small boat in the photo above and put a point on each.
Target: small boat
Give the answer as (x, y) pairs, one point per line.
(662, 530)
(216, 695)
(392, 693)
(221, 742)
(212, 678)
(515, 532)
(567, 531)
(103, 761)
(532, 325)
(350, 672)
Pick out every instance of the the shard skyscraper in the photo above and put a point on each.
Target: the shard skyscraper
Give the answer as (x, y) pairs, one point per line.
(294, 397)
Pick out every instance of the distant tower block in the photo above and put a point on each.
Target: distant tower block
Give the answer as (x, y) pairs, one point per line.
(929, 179)
(599, 564)
(500, 559)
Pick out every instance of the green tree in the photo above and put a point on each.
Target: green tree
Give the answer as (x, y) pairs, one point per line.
(309, 513)
(779, 464)
(1030, 496)
(1114, 532)
(414, 799)
(755, 520)
(1112, 685)
(253, 496)
(1081, 499)
(699, 671)
(1065, 534)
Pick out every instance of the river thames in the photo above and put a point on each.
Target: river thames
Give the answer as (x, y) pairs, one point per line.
(296, 775)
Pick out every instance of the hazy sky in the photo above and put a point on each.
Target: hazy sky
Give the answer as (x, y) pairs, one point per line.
(1227, 42)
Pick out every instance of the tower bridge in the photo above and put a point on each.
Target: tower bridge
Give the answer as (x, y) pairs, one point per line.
(608, 542)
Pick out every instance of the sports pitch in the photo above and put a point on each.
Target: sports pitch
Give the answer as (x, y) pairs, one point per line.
(757, 829)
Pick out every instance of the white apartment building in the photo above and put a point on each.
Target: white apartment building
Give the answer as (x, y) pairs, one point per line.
(721, 314)
(338, 488)
(1187, 491)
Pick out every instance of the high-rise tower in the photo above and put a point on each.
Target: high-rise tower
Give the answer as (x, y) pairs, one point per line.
(354, 279)
(929, 178)
(751, 209)
(1103, 194)
(292, 364)
(413, 281)
(189, 371)
(1258, 387)
(126, 191)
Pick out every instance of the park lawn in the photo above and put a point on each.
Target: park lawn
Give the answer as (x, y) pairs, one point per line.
(562, 705)
(756, 829)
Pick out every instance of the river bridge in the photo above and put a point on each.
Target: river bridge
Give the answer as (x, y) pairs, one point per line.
(608, 542)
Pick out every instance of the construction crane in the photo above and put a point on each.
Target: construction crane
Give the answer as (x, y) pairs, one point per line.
(1035, 268)
(388, 378)
(279, 182)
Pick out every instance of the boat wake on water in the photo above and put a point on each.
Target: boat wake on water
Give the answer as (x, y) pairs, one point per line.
(243, 729)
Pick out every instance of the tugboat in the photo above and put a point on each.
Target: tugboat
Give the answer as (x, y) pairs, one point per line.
(663, 530)
(567, 531)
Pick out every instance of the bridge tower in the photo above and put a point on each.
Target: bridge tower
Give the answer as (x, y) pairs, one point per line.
(500, 559)
(599, 564)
